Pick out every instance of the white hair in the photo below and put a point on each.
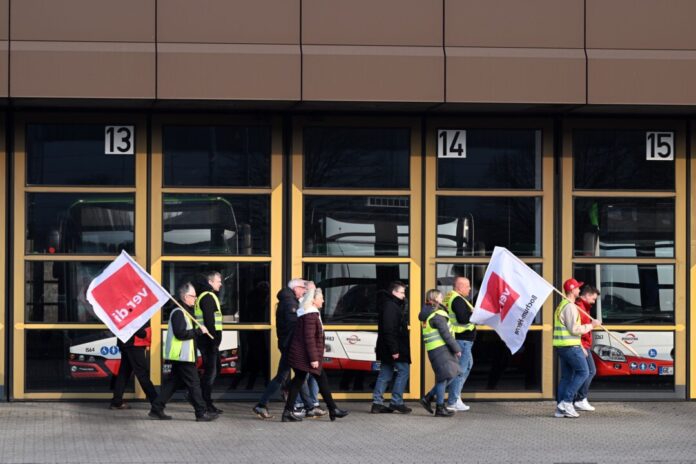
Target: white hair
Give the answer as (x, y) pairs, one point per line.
(296, 283)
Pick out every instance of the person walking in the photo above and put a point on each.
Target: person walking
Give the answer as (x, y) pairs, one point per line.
(567, 330)
(305, 354)
(588, 297)
(286, 319)
(180, 351)
(443, 351)
(459, 311)
(133, 361)
(393, 349)
(208, 312)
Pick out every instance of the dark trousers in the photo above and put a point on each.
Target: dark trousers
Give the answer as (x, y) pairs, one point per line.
(299, 380)
(133, 360)
(186, 375)
(211, 360)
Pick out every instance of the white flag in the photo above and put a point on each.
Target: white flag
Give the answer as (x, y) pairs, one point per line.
(509, 298)
(124, 296)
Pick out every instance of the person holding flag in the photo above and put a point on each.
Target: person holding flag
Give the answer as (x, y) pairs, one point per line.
(180, 351)
(588, 297)
(567, 333)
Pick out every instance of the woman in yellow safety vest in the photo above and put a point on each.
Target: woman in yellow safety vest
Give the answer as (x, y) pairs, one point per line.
(443, 351)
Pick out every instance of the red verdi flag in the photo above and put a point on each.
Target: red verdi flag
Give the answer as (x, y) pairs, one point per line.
(124, 296)
(510, 296)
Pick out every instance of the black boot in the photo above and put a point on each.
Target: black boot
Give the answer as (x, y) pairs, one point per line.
(337, 412)
(288, 416)
(425, 402)
(442, 411)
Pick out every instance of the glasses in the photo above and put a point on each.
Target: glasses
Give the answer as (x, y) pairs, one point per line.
(190, 296)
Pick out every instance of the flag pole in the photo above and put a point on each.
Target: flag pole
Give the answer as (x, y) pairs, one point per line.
(602, 327)
(186, 313)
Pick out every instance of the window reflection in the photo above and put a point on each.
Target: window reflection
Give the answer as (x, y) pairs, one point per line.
(631, 293)
(89, 223)
(216, 224)
(350, 157)
(356, 226)
(474, 226)
(624, 227)
(350, 290)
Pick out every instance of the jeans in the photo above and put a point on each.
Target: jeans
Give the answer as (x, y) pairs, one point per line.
(574, 371)
(438, 391)
(466, 362)
(582, 393)
(309, 394)
(386, 373)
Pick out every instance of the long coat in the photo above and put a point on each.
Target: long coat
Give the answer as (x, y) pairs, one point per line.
(443, 359)
(307, 343)
(392, 330)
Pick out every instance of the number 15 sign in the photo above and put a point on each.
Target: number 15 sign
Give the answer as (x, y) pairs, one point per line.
(451, 143)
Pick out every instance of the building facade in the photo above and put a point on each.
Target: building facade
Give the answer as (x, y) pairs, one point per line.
(352, 143)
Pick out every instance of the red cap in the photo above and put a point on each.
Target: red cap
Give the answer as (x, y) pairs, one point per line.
(571, 284)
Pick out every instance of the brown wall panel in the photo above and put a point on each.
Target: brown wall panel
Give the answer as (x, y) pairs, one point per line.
(229, 72)
(4, 67)
(495, 75)
(641, 24)
(4, 19)
(229, 21)
(389, 74)
(83, 20)
(514, 23)
(641, 77)
(372, 22)
(82, 70)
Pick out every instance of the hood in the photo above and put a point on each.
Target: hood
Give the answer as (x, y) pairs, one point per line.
(425, 312)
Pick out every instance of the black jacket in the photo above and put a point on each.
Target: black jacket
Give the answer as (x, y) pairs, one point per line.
(208, 308)
(392, 329)
(463, 313)
(286, 317)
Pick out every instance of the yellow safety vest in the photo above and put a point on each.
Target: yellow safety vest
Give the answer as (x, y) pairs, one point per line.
(175, 349)
(456, 326)
(561, 336)
(198, 312)
(431, 336)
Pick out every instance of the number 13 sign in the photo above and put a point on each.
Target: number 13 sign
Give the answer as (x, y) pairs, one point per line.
(451, 143)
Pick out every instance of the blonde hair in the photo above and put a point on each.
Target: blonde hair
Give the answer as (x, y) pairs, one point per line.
(431, 295)
(309, 297)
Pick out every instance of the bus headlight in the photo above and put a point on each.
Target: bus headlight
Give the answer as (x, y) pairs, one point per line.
(609, 353)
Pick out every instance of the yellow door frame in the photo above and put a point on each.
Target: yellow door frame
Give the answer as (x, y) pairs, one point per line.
(546, 194)
(275, 191)
(3, 262)
(679, 195)
(692, 272)
(414, 194)
(20, 326)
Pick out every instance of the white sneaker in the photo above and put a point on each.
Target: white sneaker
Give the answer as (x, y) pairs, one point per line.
(458, 406)
(567, 409)
(583, 405)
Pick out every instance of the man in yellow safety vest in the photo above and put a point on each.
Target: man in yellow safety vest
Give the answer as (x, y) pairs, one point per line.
(208, 312)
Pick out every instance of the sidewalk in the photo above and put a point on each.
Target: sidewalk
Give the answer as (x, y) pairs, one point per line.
(500, 432)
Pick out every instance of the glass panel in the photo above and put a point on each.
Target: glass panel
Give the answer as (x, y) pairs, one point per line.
(495, 369)
(619, 369)
(72, 154)
(89, 223)
(631, 293)
(616, 160)
(350, 290)
(356, 226)
(71, 361)
(213, 156)
(216, 224)
(624, 227)
(348, 157)
(55, 291)
(496, 159)
(446, 272)
(244, 364)
(350, 362)
(245, 292)
(473, 226)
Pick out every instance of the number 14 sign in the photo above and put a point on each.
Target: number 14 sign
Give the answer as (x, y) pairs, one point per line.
(451, 143)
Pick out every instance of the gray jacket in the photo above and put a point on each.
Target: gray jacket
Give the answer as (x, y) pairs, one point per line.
(443, 359)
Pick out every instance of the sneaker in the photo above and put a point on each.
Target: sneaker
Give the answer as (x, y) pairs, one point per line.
(213, 409)
(400, 408)
(380, 409)
(567, 409)
(299, 412)
(207, 417)
(160, 415)
(261, 412)
(119, 406)
(583, 405)
(426, 403)
(315, 413)
(458, 406)
(558, 413)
